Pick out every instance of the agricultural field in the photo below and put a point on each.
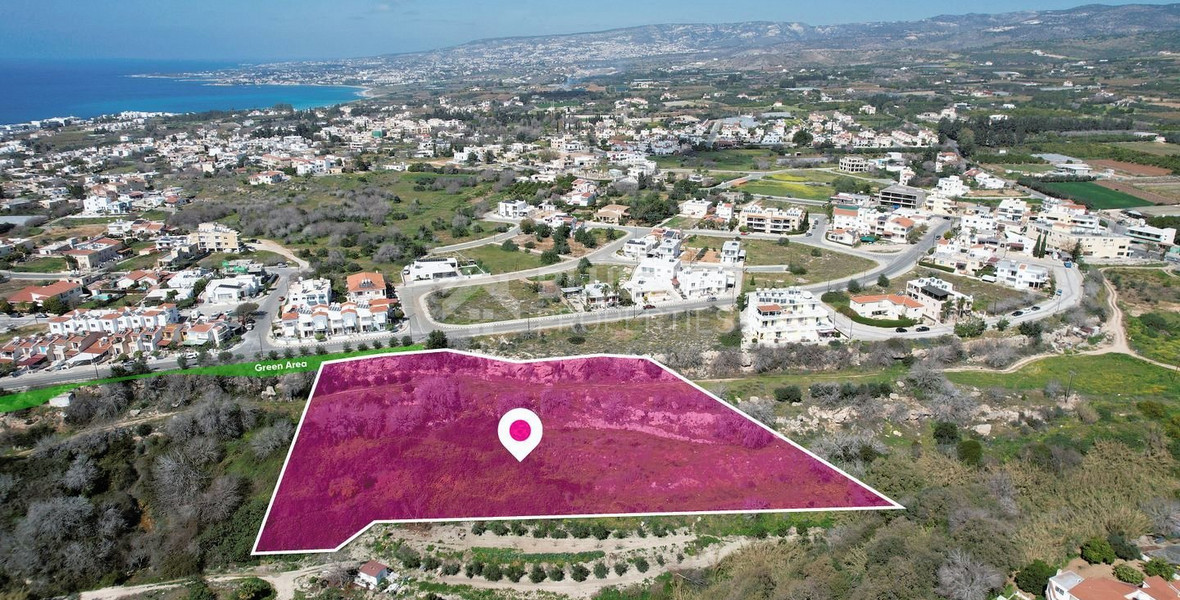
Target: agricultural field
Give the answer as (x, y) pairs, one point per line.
(1165, 149)
(1095, 196)
(504, 301)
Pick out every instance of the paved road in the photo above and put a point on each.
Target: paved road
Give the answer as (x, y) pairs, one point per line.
(414, 297)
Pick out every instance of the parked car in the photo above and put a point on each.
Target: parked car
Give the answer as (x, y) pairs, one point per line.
(1018, 313)
(901, 330)
(712, 298)
(922, 328)
(648, 306)
(1034, 308)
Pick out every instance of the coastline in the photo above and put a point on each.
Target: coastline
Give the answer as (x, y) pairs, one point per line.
(357, 93)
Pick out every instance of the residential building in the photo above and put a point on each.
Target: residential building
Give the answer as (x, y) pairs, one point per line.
(615, 214)
(36, 295)
(1067, 585)
(1012, 210)
(696, 209)
(597, 294)
(215, 237)
(886, 307)
(938, 299)
(854, 164)
(652, 280)
(322, 319)
(1021, 275)
(902, 196)
(309, 292)
(756, 218)
(366, 286)
(515, 209)
(233, 289)
(1154, 235)
(80, 320)
(784, 316)
(1090, 245)
(94, 253)
(429, 269)
(732, 253)
(372, 574)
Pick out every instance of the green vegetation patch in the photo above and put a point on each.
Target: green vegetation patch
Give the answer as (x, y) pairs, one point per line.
(264, 368)
(1095, 196)
(1103, 375)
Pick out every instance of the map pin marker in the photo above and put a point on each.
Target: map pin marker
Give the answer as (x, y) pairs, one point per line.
(520, 432)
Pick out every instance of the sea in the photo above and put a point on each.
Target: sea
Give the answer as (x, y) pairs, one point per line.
(39, 89)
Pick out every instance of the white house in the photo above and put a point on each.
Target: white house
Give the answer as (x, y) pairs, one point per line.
(653, 279)
(232, 289)
(696, 209)
(1021, 275)
(784, 316)
(372, 574)
(516, 209)
(309, 292)
(429, 269)
(732, 253)
(885, 307)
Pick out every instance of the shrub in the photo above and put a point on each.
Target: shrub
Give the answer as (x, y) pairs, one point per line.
(556, 572)
(600, 570)
(492, 572)
(514, 572)
(407, 340)
(620, 568)
(1097, 550)
(1128, 574)
(1034, 577)
(479, 527)
(1159, 567)
(790, 393)
(970, 452)
(946, 433)
(253, 588)
(854, 287)
(642, 565)
(579, 573)
(970, 328)
(1123, 548)
(537, 574)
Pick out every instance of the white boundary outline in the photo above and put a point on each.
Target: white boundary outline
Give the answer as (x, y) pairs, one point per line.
(255, 552)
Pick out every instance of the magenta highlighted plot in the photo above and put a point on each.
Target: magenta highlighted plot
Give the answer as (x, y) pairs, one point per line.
(416, 437)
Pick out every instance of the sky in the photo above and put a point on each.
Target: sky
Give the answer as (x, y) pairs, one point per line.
(257, 30)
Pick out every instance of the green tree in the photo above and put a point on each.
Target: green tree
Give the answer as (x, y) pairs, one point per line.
(182, 362)
(1034, 577)
(537, 573)
(437, 339)
(854, 286)
(882, 281)
(509, 246)
(1097, 550)
(54, 305)
(550, 257)
(802, 138)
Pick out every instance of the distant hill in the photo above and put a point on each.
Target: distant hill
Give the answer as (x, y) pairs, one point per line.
(768, 44)
(708, 41)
